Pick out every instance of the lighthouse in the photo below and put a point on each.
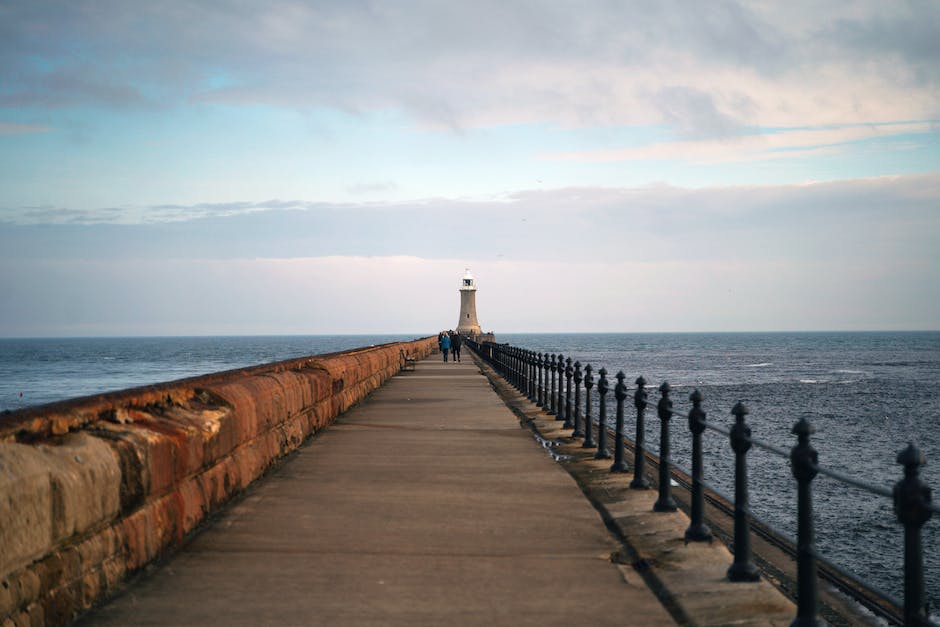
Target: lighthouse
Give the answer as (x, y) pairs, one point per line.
(468, 325)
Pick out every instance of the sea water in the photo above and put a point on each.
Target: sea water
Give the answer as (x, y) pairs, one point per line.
(38, 371)
(867, 394)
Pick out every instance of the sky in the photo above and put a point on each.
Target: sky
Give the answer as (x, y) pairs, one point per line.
(288, 167)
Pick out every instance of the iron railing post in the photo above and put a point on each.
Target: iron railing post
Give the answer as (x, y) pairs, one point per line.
(511, 367)
(620, 393)
(664, 503)
(551, 391)
(578, 428)
(523, 372)
(603, 386)
(912, 505)
(742, 569)
(639, 459)
(533, 389)
(540, 401)
(698, 531)
(529, 380)
(804, 463)
(588, 384)
(569, 373)
(560, 402)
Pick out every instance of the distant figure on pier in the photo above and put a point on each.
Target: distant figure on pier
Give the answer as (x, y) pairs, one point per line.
(455, 345)
(445, 345)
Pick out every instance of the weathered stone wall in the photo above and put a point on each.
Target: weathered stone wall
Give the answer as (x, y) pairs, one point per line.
(93, 489)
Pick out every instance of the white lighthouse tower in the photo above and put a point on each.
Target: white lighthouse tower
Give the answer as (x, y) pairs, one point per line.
(468, 325)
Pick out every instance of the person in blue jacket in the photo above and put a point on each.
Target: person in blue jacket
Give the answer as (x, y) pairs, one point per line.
(445, 345)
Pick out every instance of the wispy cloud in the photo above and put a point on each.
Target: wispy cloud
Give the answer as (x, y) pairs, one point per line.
(16, 128)
(751, 144)
(379, 187)
(878, 218)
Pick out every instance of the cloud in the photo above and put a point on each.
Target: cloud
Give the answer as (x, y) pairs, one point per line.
(15, 128)
(907, 38)
(703, 69)
(694, 113)
(747, 144)
(878, 218)
(372, 188)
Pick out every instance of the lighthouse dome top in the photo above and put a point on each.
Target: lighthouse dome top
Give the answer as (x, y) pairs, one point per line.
(468, 282)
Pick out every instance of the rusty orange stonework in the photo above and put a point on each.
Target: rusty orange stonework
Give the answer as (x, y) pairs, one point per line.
(91, 490)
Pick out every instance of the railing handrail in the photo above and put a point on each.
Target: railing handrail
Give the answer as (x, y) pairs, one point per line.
(912, 503)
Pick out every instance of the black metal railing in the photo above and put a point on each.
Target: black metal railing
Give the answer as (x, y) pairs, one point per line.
(913, 506)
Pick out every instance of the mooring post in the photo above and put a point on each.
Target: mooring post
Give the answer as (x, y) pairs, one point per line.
(602, 388)
(912, 500)
(639, 459)
(742, 569)
(698, 531)
(804, 465)
(620, 393)
(569, 373)
(551, 392)
(664, 503)
(588, 384)
(578, 429)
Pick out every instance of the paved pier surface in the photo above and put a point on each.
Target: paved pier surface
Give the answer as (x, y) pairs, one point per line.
(427, 504)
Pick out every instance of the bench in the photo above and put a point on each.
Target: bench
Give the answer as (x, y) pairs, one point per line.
(408, 362)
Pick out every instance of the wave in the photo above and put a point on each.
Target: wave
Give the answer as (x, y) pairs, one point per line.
(761, 365)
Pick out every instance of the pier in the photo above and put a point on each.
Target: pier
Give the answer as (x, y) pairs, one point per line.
(429, 504)
(376, 486)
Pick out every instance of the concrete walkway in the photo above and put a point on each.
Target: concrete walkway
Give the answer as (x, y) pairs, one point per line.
(427, 504)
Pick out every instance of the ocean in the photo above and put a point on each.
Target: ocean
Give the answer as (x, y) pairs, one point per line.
(867, 393)
(38, 371)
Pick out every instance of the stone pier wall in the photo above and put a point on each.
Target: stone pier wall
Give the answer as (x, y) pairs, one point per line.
(93, 489)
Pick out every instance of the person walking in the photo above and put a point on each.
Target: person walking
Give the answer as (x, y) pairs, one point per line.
(455, 342)
(445, 345)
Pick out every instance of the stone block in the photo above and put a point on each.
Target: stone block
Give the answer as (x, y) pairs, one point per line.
(25, 506)
(18, 590)
(85, 479)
